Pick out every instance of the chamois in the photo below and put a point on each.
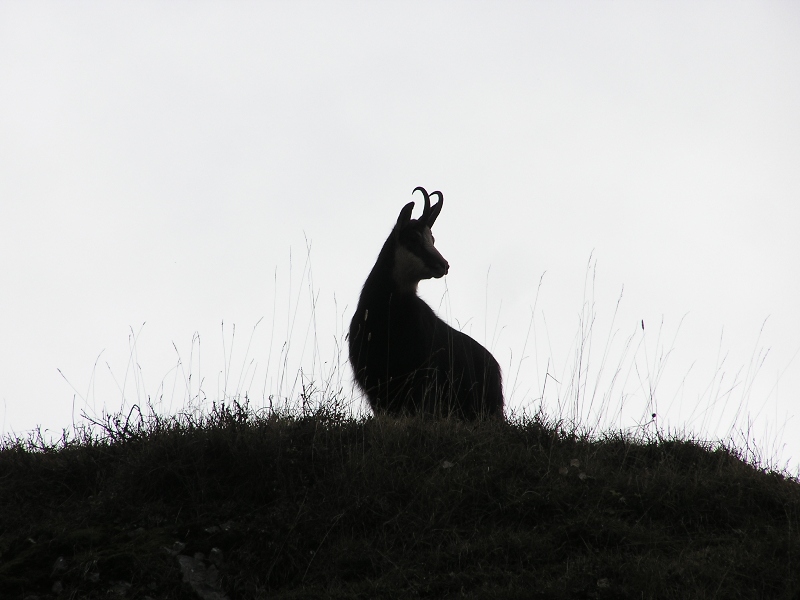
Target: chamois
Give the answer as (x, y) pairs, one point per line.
(405, 358)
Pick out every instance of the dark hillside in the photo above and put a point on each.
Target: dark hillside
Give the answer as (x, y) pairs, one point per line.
(322, 506)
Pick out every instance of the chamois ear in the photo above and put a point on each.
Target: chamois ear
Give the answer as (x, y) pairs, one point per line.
(405, 215)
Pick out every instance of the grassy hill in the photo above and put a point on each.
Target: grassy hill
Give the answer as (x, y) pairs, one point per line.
(232, 505)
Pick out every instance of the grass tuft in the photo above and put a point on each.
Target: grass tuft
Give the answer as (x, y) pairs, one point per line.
(315, 503)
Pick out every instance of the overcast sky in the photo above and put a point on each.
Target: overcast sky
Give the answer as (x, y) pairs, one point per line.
(169, 167)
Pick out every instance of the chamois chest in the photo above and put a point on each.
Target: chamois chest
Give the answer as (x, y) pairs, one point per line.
(392, 334)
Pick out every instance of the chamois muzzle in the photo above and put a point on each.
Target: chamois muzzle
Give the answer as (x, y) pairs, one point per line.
(438, 265)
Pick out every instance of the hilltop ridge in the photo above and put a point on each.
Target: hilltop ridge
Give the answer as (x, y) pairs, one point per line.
(233, 505)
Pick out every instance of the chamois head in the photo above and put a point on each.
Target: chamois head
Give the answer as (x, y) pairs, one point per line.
(415, 257)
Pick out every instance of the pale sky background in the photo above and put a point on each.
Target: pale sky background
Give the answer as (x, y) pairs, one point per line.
(171, 163)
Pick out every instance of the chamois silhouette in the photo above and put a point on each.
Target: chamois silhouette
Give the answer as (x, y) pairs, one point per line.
(405, 358)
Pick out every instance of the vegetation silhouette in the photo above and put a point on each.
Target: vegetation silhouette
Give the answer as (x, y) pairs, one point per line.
(318, 504)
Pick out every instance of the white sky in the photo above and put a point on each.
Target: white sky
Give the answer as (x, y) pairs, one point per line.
(161, 162)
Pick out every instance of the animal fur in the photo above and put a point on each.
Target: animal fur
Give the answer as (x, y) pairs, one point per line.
(405, 358)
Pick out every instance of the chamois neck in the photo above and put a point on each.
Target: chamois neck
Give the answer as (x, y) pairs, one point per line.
(386, 278)
(382, 281)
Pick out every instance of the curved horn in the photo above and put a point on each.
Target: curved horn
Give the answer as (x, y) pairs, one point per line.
(427, 208)
(430, 218)
(429, 213)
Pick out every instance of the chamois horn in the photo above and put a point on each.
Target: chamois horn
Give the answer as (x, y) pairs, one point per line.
(429, 214)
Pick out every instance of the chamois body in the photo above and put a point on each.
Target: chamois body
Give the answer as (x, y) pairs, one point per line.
(405, 358)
